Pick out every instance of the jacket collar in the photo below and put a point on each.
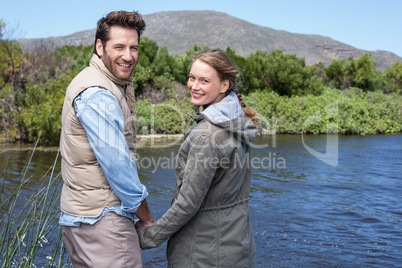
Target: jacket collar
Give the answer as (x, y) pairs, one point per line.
(97, 63)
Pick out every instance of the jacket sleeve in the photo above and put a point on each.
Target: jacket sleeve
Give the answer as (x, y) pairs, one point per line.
(197, 177)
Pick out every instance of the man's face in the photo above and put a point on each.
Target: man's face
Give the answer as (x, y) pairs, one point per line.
(120, 54)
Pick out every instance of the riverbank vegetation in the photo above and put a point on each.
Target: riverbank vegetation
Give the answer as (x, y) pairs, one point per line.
(30, 235)
(347, 97)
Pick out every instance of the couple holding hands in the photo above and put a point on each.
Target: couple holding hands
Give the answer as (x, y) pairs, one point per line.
(105, 217)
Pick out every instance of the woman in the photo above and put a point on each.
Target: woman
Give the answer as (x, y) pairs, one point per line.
(208, 222)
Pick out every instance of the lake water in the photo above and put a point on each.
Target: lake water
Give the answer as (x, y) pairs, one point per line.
(305, 212)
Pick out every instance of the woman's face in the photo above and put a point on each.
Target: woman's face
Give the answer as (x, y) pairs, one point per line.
(205, 85)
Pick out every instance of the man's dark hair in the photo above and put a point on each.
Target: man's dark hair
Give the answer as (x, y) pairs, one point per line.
(129, 20)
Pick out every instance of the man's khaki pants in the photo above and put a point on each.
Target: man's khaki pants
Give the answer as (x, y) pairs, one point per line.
(110, 242)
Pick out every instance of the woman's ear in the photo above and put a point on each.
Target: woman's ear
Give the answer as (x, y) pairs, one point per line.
(99, 48)
(225, 86)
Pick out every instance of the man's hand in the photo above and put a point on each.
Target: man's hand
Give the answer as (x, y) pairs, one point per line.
(140, 224)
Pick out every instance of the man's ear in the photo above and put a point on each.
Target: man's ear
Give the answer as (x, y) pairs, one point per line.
(99, 48)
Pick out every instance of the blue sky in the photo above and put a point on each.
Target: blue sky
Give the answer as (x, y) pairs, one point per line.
(365, 24)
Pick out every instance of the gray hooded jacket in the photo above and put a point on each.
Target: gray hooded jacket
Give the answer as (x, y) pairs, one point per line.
(208, 222)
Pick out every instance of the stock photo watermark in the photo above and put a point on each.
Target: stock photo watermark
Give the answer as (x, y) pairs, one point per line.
(270, 161)
(330, 156)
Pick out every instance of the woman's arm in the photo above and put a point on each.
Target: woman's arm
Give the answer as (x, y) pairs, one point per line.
(198, 174)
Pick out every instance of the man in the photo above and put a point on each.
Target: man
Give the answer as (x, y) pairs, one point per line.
(101, 190)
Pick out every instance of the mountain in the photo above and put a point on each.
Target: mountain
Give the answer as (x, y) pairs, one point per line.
(180, 30)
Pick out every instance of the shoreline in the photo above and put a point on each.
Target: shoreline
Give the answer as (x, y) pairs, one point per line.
(160, 136)
(158, 140)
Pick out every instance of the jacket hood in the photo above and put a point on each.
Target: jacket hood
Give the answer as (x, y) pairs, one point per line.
(228, 115)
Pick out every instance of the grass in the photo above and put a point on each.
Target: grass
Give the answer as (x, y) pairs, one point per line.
(30, 235)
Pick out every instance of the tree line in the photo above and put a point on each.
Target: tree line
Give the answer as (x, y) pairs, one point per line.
(32, 84)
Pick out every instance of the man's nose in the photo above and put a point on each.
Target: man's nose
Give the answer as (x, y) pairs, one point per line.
(127, 55)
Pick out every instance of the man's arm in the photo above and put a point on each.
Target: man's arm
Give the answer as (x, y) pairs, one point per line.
(144, 214)
(99, 113)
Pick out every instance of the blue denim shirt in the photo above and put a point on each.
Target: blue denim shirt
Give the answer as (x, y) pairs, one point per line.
(100, 115)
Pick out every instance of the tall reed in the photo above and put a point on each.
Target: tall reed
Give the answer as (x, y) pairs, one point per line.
(30, 235)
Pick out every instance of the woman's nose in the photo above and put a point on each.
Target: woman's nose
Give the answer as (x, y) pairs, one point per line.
(195, 85)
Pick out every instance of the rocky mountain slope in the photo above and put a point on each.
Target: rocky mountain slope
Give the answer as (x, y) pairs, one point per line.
(180, 30)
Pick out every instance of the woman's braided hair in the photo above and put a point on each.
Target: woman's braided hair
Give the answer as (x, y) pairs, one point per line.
(226, 71)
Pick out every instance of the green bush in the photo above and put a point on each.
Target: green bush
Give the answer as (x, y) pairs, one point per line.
(169, 117)
(349, 112)
(42, 113)
(361, 73)
(394, 76)
(285, 74)
(32, 87)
